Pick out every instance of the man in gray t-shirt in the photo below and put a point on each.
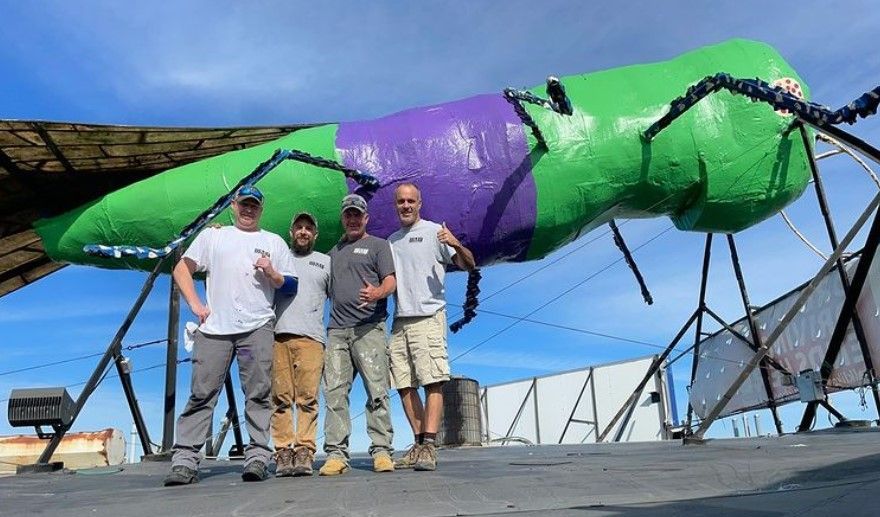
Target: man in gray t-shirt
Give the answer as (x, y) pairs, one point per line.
(362, 277)
(298, 357)
(418, 352)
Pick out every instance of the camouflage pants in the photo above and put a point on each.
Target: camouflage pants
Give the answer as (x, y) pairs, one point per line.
(350, 351)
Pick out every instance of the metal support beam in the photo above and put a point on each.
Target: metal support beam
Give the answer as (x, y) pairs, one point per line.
(98, 374)
(537, 420)
(123, 370)
(519, 412)
(574, 408)
(655, 365)
(832, 351)
(232, 415)
(753, 329)
(793, 310)
(837, 414)
(853, 141)
(171, 362)
(847, 312)
(698, 335)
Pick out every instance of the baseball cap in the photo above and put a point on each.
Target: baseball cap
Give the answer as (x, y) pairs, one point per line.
(248, 191)
(308, 216)
(354, 201)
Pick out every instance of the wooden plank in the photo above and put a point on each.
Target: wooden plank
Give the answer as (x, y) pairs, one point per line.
(17, 241)
(8, 138)
(147, 149)
(18, 259)
(31, 153)
(32, 275)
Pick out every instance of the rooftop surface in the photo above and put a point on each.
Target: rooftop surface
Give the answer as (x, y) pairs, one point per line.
(810, 475)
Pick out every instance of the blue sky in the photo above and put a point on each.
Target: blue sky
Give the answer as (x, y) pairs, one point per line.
(230, 63)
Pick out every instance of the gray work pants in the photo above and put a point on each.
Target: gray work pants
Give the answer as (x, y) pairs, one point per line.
(212, 356)
(360, 350)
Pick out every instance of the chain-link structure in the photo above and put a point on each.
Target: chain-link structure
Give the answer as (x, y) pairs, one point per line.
(470, 301)
(145, 252)
(758, 90)
(559, 103)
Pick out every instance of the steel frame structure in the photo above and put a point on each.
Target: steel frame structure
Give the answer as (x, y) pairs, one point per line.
(847, 315)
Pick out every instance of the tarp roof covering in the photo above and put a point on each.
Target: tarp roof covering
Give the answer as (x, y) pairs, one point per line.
(47, 168)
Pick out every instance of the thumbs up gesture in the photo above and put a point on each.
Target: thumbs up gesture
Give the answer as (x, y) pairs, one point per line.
(446, 237)
(369, 293)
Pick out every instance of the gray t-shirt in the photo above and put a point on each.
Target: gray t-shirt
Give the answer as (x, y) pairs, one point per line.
(420, 259)
(303, 314)
(351, 263)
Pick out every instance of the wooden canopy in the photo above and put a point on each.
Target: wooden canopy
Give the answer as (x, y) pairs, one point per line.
(47, 168)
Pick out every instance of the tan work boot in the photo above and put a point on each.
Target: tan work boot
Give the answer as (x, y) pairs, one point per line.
(408, 460)
(302, 462)
(427, 458)
(382, 462)
(283, 463)
(334, 466)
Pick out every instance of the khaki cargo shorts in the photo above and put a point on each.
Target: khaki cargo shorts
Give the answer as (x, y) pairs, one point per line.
(418, 353)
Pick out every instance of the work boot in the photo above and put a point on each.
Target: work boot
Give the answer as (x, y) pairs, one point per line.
(302, 462)
(408, 460)
(181, 475)
(382, 462)
(284, 463)
(334, 466)
(427, 458)
(255, 471)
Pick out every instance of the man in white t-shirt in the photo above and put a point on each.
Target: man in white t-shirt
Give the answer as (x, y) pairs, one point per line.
(418, 350)
(244, 266)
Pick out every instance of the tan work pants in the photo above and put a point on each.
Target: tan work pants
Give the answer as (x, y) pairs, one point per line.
(297, 365)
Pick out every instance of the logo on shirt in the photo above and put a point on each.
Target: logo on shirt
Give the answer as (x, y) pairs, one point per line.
(316, 264)
(361, 251)
(415, 239)
(263, 253)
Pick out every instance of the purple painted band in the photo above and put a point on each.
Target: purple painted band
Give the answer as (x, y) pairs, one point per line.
(470, 160)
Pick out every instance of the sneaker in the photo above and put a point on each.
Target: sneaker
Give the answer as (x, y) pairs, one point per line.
(181, 475)
(427, 458)
(302, 462)
(334, 466)
(255, 471)
(382, 462)
(408, 460)
(284, 463)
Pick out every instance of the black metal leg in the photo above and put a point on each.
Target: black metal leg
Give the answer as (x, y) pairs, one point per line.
(799, 302)
(847, 311)
(232, 415)
(98, 373)
(658, 361)
(698, 337)
(831, 353)
(171, 364)
(621, 245)
(128, 388)
(753, 328)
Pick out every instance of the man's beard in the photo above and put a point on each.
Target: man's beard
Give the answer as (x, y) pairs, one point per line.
(303, 250)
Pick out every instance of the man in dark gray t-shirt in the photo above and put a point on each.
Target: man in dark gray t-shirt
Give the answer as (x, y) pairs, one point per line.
(361, 278)
(369, 260)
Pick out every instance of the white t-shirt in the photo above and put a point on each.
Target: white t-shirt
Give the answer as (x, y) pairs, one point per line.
(420, 259)
(240, 298)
